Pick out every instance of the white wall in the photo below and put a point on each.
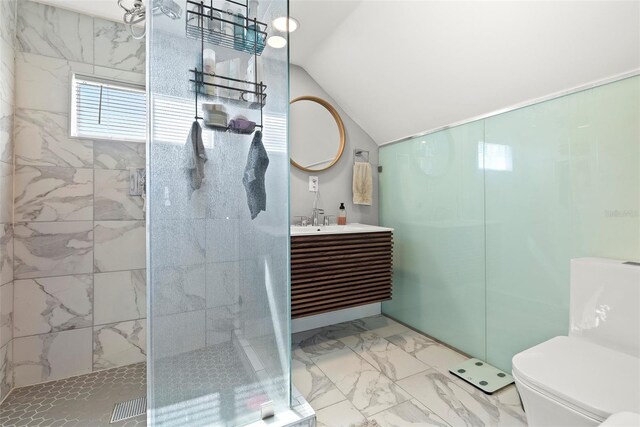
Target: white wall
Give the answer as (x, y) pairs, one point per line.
(403, 67)
(335, 183)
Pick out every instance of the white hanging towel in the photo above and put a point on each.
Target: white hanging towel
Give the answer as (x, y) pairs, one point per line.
(362, 184)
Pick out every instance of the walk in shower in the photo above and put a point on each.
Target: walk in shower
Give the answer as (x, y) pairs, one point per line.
(114, 292)
(218, 294)
(488, 214)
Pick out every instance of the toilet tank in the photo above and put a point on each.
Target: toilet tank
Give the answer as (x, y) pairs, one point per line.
(605, 303)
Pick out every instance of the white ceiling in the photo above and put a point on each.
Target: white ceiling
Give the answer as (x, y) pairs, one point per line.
(318, 18)
(403, 67)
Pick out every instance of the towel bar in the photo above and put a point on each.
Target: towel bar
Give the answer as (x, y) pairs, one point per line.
(360, 155)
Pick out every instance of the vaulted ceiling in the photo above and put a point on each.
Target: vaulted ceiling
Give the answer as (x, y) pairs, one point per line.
(403, 67)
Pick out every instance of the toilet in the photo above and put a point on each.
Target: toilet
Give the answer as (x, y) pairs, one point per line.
(593, 373)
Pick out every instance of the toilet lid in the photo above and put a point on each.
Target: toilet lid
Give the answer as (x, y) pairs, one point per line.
(588, 377)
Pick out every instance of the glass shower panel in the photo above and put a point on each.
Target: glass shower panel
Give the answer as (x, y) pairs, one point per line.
(264, 328)
(562, 181)
(218, 280)
(431, 193)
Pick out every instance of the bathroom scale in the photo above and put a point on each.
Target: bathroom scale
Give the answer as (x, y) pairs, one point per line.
(482, 375)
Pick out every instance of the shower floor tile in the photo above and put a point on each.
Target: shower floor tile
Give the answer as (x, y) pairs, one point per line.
(205, 386)
(209, 386)
(432, 396)
(82, 401)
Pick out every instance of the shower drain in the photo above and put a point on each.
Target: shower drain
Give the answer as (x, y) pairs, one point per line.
(129, 409)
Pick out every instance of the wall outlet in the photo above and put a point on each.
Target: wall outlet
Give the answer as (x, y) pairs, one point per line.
(313, 184)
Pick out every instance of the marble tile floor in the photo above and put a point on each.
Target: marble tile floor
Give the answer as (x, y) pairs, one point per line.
(377, 372)
(368, 372)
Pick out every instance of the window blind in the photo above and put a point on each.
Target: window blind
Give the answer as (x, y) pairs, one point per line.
(274, 135)
(103, 109)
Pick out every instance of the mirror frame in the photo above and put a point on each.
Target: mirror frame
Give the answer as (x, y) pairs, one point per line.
(338, 120)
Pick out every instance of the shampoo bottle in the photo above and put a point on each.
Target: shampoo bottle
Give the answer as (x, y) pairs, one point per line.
(239, 31)
(227, 25)
(209, 68)
(342, 215)
(254, 40)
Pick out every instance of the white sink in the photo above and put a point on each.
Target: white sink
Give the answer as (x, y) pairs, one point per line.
(297, 230)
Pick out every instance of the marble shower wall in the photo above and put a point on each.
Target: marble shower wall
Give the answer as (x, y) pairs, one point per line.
(7, 101)
(79, 301)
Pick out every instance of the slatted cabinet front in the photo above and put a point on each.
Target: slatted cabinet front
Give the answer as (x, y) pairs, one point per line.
(336, 271)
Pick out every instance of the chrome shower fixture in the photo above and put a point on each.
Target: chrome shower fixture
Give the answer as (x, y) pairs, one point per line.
(134, 15)
(137, 13)
(168, 7)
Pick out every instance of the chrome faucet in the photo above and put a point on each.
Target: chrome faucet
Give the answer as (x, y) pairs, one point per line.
(304, 221)
(314, 216)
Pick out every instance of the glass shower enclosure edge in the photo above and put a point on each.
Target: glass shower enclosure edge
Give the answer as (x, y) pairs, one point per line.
(217, 280)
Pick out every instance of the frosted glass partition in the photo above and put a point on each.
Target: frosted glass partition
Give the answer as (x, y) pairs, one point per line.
(488, 215)
(218, 280)
(573, 189)
(432, 194)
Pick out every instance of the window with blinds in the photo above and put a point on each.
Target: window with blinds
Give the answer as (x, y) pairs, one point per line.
(104, 109)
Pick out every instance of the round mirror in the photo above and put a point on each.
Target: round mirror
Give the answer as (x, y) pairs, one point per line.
(316, 133)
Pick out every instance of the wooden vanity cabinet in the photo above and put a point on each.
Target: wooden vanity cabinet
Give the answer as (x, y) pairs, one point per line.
(336, 271)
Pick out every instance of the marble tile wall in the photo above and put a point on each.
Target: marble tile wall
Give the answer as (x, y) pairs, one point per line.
(79, 296)
(7, 120)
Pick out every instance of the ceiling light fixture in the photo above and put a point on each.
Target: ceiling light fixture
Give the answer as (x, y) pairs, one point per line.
(280, 24)
(277, 42)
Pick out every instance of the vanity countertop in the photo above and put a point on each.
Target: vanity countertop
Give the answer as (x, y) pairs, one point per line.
(297, 230)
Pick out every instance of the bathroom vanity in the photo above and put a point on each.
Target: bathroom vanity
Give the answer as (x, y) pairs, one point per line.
(339, 266)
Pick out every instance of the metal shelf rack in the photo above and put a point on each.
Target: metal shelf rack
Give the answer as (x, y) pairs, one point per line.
(250, 94)
(201, 17)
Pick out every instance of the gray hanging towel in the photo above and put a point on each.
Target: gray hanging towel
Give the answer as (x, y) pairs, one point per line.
(253, 179)
(195, 156)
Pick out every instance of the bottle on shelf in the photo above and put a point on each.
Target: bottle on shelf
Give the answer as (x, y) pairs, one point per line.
(255, 40)
(227, 24)
(253, 66)
(215, 24)
(234, 72)
(342, 215)
(253, 8)
(222, 69)
(209, 67)
(239, 30)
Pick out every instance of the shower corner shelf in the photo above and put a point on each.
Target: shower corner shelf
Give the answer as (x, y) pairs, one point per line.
(251, 89)
(198, 19)
(248, 94)
(202, 81)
